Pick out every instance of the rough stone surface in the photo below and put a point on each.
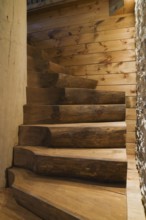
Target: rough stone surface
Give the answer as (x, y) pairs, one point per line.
(140, 11)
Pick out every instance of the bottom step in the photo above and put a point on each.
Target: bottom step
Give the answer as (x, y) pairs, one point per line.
(67, 200)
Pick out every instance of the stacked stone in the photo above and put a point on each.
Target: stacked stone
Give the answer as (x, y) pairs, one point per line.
(140, 11)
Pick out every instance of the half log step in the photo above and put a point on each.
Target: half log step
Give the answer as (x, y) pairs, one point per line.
(81, 135)
(99, 165)
(69, 96)
(38, 58)
(67, 200)
(45, 114)
(45, 79)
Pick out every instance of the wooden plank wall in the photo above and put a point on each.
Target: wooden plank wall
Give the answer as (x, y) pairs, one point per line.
(83, 37)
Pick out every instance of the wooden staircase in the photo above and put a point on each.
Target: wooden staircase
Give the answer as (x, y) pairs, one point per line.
(70, 162)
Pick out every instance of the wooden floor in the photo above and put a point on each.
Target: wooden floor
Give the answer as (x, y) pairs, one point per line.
(9, 210)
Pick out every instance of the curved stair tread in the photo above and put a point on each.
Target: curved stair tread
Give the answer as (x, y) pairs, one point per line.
(114, 154)
(64, 200)
(101, 165)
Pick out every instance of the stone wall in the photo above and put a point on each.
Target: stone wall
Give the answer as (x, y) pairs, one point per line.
(12, 77)
(140, 11)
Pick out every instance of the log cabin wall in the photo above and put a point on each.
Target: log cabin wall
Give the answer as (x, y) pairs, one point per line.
(85, 38)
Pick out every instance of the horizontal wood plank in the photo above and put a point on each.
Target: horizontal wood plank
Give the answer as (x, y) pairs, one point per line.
(131, 114)
(106, 46)
(114, 79)
(109, 57)
(130, 90)
(123, 33)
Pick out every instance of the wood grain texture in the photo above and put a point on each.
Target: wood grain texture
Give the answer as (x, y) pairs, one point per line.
(82, 135)
(108, 68)
(114, 79)
(91, 43)
(101, 165)
(66, 199)
(59, 80)
(46, 114)
(10, 210)
(106, 35)
(69, 96)
(130, 90)
(112, 23)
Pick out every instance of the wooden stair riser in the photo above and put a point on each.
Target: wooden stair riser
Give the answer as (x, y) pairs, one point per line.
(73, 137)
(45, 79)
(46, 114)
(87, 169)
(36, 63)
(69, 96)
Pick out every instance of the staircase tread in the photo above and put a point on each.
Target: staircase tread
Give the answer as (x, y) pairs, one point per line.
(94, 125)
(111, 154)
(83, 201)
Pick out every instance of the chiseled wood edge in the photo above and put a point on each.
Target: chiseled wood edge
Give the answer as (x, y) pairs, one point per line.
(99, 170)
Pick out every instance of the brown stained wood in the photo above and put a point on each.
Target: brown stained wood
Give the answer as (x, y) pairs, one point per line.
(37, 6)
(130, 90)
(109, 57)
(109, 165)
(109, 68)
(131, 137)
(59, 21)
(131, 149)
(131, 125)
(82, 135)
(59, 80)
(73, 113)
(56, 68)
(10, 210)
(97, 25)
(131, 114)
(45, 95)
(89, 48)
(31, 50)
(117, 45)
(65, 202)
(114, 79)
(131, 102)
(107, 35)
(70, 96)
